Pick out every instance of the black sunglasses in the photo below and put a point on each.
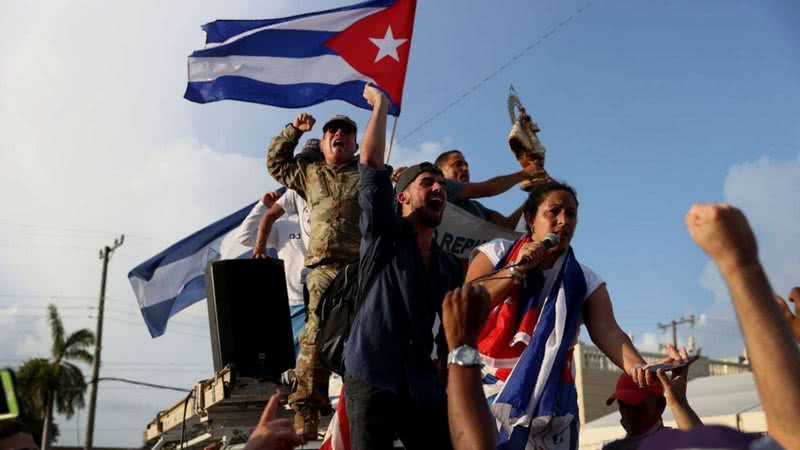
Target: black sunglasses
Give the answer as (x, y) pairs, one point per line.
(346, 128)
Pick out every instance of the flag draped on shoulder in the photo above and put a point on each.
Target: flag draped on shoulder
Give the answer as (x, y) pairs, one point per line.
(306, 59)
(174, 279)
(535, 402)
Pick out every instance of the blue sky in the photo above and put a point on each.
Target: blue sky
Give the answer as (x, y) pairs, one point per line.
(645, 107)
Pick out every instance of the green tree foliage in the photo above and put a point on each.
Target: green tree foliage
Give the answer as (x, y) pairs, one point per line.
(55, 383)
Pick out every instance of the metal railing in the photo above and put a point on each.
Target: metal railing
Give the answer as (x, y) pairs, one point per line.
(594, 359)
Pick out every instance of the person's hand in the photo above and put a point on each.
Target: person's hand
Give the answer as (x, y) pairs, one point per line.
(722, 231)
(791, 318)
(270, 198)
(534, 251)
(397, 172)
(674, 384)
(464, 313)
(304, 122)
(272, 433)
(373, 95)
(535, 171)
(260, 252)
(641, 376)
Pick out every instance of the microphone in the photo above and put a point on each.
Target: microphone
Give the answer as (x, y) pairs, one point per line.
(549, 241)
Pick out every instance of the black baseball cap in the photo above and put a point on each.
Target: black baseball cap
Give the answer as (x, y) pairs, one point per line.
(340, 118)
(410, 174)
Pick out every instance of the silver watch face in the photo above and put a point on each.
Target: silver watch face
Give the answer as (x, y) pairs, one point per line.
(466, 356)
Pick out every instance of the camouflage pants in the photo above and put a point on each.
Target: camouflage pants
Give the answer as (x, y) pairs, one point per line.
(311, 390)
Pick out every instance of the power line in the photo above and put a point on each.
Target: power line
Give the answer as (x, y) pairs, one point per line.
(95, 232)
(502, 67)
(115, 364)
(54, 297)
(142, 383)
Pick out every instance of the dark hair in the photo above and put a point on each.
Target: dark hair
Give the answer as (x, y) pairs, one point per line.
(11, 427)
(445, 156)
(540, 191)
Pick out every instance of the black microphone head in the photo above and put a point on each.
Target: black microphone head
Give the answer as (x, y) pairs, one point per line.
(550, 241)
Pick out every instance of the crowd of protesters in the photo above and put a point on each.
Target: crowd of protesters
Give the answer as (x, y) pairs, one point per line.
(422, 308)
(434, 352)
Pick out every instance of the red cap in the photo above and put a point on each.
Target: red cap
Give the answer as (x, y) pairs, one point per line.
(630, 393)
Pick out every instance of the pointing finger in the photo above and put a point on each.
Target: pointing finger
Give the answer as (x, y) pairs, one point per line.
(271, 409)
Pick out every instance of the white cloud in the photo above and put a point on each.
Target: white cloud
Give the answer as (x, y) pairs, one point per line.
(427, 151)
(766, 191)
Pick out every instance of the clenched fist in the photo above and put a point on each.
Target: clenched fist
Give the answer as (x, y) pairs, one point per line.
(304, 122)
(373, 95)
(722, 231)
(464, 313)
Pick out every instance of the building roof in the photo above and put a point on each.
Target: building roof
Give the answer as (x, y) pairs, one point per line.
(708, 396)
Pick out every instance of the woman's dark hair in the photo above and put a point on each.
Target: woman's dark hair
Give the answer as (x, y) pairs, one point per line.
(540, 192)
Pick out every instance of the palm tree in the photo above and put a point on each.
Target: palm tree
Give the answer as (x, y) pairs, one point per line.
(57, 382)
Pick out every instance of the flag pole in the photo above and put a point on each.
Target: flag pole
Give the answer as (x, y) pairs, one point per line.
(391, 140)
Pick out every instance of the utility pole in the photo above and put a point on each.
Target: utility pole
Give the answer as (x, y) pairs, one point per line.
(105, 254)
(674, 324)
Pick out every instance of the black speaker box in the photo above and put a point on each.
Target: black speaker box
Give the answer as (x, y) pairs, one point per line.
(248, 313)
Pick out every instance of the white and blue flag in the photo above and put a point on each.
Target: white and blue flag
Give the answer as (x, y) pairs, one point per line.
(297, 61)
(174, 279)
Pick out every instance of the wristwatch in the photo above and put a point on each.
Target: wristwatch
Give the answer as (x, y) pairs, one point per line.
(465, 356)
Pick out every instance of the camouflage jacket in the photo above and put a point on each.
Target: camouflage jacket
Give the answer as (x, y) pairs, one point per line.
(332, 196)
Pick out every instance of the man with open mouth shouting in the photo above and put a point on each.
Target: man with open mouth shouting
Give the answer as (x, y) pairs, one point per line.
(392, 386)
(330, 188)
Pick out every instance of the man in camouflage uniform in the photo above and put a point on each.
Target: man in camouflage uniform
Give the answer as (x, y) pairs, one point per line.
(330, 188)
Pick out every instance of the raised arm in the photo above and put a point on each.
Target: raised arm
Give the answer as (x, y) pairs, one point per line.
(265, 230)
(248, 230)
(723, 233)
(464, 312)
(281, 163)
(374, 143)
(499, 184)
(675, 391)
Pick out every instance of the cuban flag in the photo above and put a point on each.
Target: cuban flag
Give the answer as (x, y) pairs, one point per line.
(174, 279)
(297, 61)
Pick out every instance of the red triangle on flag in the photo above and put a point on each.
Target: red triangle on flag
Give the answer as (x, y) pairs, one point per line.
(378, 46)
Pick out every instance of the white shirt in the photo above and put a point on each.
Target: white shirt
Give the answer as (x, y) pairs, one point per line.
(293, 204)
(286, 239)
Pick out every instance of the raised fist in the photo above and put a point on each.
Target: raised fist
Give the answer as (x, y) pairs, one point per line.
(304, 122)
(372, 94)
(464, 313)
(722, 231)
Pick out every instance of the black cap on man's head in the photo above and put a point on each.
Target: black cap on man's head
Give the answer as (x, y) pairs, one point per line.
(339, 119)
(410, 174)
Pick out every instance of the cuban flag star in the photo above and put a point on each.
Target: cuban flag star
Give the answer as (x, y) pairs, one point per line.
(297, 61)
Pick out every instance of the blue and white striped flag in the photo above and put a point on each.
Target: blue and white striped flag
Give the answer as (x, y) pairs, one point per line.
(297, 61)
(174, 279)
